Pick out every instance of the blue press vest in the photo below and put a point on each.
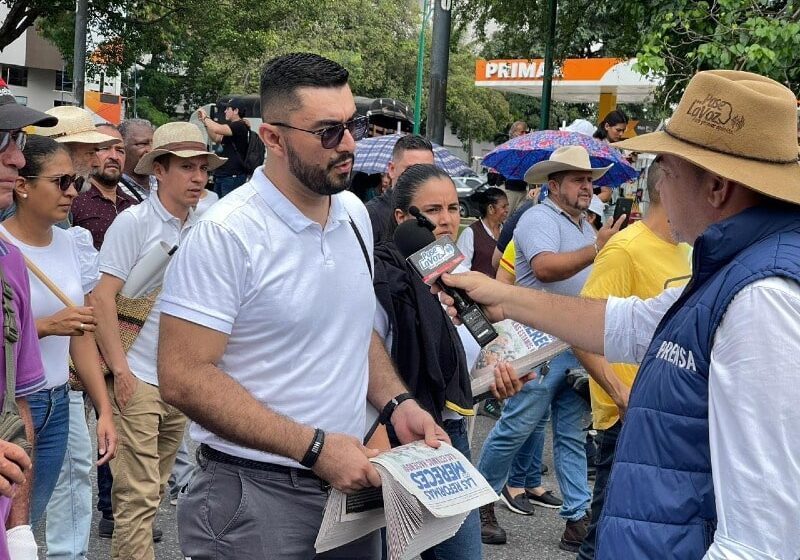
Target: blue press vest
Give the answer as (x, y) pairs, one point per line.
(660, 497)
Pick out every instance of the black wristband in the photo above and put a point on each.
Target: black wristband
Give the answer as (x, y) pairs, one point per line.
(388, 410)
(314, 450)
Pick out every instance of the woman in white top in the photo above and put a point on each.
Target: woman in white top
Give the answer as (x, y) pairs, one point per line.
(478, 241)
(44, 193)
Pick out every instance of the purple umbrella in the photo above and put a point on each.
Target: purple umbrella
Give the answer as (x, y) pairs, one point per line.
(513, 158)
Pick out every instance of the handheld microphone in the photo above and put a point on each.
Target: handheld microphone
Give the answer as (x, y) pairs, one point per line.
(431, 258)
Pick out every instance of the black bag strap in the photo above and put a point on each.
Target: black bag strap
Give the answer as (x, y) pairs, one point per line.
(10, 337)
(363, 245)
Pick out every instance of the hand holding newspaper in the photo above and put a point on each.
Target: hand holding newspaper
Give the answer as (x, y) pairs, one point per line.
(523, 347)
(426, 495)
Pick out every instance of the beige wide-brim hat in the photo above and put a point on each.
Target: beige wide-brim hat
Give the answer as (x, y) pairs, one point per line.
(74, 125)
(181, 139)
(565, 158)
(737, 125)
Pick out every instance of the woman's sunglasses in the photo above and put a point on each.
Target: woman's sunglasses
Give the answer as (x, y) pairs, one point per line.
(20, 137)
(64, 181)
(332, 136)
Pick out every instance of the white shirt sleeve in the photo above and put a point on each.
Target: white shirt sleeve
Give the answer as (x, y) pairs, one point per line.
(121, 246)
(87, 257)
(205, 282)
(466, 244)
(630, 324)
(754, 424)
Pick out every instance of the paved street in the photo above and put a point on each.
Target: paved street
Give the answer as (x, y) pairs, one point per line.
(530, 538)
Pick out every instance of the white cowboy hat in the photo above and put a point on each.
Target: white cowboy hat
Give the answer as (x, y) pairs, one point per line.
(74, 125)
(180, 139)
(566, 158)
(736, 125)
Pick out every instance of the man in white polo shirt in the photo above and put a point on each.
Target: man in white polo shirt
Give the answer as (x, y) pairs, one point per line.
(266, 335)
(150, 430)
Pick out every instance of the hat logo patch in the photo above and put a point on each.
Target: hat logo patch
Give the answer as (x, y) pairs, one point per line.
(716, 113)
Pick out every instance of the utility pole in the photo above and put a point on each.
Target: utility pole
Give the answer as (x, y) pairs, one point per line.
(420, 66)
(547, 84)
(79, 51)
(440, 61)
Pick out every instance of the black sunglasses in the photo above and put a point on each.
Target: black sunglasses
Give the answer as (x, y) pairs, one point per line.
(20, 137)
(64, 181)
(331, 136)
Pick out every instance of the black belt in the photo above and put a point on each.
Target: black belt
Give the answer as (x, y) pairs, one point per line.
(215, 455)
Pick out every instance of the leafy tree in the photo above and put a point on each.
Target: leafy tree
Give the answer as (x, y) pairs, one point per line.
(683, 36)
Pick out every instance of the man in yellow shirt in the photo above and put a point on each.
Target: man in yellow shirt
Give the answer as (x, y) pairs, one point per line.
(641, 261)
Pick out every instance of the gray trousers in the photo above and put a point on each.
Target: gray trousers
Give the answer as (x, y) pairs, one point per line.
(235, 513)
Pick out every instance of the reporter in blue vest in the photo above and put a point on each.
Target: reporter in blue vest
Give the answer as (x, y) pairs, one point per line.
(707, 463)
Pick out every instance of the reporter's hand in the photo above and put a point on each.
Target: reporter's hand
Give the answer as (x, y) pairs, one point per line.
(14, 465)
(483, 290)
(124, 387)
(344, 463)
(411, 423)
(609, 229)
(106, 438)
(70, 321)
(506, 383)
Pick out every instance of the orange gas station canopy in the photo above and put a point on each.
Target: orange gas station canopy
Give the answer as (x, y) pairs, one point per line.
(577, 80)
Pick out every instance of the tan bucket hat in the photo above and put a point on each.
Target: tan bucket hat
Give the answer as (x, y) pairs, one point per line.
(565, 158)
(74, 125)
(180, 139)
(737, 125)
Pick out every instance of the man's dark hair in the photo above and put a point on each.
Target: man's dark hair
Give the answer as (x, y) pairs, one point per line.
(282, 76)
(410, 142)
(164, 160)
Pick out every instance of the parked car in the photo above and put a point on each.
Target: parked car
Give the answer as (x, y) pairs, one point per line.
(466, 187)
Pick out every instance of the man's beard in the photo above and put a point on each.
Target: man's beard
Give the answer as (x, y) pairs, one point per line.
(316, 179)
(108, 178)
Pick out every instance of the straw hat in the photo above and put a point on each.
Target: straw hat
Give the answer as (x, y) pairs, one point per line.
(180, 139)
(74, 125)
(566, 158)
(737, 125)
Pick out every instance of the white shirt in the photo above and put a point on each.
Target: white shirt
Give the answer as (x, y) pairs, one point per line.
(132, 234)
(295, 300)
(466, 244)
(205, 203)
(70, 261)
(753, 414)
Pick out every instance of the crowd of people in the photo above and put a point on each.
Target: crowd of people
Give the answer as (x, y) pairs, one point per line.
(270, 314)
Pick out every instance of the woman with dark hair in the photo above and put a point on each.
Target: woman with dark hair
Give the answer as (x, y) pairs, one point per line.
(478, 242)
(44, 192)
(610, 130)
(612, 127)
(428, 349)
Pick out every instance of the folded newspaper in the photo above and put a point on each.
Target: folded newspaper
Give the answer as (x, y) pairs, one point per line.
(523, 347)
(426, 495)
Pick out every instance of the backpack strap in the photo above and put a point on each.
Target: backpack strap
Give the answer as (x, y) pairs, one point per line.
(363, 245)
(10, 337)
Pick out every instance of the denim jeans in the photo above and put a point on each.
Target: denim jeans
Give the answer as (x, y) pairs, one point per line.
(69, 512)
(526, 469)
(606, 446)
(226, 185)
(182, 471)
(50, 412)
(466, 543)
(522, 414)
